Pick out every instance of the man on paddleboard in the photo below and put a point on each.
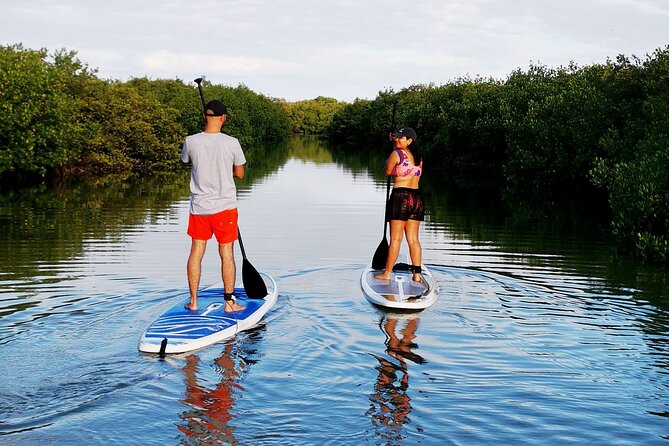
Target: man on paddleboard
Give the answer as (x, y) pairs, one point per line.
(217, 159)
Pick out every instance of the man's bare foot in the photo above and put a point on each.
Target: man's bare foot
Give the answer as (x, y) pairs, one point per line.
(231, 305)
(190, 307)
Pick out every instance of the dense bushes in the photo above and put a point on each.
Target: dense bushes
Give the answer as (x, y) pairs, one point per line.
(39, 112)
(56, 114)
(586, 135)
(313, 116)
(635, 167)
(542, 137)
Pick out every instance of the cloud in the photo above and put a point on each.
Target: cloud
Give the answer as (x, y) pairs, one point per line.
(640, 6)
(170, 62)
(302, 49)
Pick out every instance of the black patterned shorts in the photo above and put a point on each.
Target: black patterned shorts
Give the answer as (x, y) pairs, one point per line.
(405, 204)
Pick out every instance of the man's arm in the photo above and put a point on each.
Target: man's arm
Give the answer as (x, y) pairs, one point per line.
(184, 154)
(238, 171)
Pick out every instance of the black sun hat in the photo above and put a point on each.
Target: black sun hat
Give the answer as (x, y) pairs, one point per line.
(215, 108)
(406, 131)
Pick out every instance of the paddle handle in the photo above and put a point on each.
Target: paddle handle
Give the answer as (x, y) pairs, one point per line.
(198, 81)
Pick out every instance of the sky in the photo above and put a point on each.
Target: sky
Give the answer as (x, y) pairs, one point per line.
(345, 49)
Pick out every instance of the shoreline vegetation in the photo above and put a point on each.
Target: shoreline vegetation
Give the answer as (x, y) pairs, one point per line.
(592, 138)
(57, 117)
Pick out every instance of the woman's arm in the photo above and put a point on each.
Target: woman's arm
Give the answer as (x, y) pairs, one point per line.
(393, 160)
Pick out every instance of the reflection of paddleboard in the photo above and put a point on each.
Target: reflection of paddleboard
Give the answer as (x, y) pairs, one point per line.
(400, 291)
(182, 330)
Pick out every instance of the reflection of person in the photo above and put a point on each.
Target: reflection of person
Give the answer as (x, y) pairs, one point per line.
(216, 160)
(391, 402)
(405, 209)
(210, 416)
(400, 348)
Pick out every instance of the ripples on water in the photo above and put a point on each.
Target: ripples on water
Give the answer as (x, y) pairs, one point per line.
(521, 347)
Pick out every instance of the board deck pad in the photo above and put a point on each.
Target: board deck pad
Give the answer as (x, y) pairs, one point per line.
(400, 291)
(187, 330)
(400, 285)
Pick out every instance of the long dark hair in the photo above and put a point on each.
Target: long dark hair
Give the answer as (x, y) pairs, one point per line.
(417, 156)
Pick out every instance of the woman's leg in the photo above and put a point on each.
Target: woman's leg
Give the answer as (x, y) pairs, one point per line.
(415, 250)
(396, 236)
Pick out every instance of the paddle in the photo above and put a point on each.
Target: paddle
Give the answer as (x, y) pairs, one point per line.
(381, 253)
(253, 284)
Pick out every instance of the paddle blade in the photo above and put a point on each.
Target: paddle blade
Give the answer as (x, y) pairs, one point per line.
(253, 284)
(381, 254)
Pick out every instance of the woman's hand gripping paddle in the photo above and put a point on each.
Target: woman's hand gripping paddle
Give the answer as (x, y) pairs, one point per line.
(253, 284)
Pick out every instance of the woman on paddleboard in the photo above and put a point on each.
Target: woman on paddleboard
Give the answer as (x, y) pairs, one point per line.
(405, 209)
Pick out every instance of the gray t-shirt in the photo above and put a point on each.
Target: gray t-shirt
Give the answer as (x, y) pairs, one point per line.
(212, 185)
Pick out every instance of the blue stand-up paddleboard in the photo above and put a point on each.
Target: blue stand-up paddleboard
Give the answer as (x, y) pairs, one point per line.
(400, 292)
(179, 330)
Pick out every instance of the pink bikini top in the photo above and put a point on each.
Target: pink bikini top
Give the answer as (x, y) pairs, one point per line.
(404, 168)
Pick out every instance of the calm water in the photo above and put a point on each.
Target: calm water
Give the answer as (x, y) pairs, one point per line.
(538, 337)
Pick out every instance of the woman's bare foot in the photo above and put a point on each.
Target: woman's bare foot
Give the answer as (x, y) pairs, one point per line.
(416, 277)
(383, 276)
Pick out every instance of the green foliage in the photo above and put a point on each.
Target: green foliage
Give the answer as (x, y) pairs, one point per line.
(55, 114)
(252, 118)
(571, 137)
(184, 99)
(637, 178)
(135, 131)
(39, 125)
(312, 117)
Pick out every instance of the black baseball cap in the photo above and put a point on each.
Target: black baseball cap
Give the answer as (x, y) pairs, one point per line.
(405, 131)
(215, 108)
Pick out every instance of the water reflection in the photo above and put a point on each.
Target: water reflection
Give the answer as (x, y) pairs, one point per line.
(209, 417)
(310, 148)
(391, 403)
(537, 338)
(44, 225)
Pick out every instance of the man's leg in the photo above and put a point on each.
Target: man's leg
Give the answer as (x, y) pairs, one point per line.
(228, 270)
(194, 268)
(228, 273)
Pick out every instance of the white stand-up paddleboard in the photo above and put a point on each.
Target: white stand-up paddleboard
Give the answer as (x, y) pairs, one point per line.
(400, 292)
(179, 330)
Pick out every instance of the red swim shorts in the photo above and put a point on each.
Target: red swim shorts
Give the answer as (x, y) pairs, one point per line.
(222, 224)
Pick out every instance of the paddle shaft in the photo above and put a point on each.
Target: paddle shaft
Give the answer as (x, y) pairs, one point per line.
(385, 223)
(392, 129)
(253, 284)
(198, 81)
(381, 253)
